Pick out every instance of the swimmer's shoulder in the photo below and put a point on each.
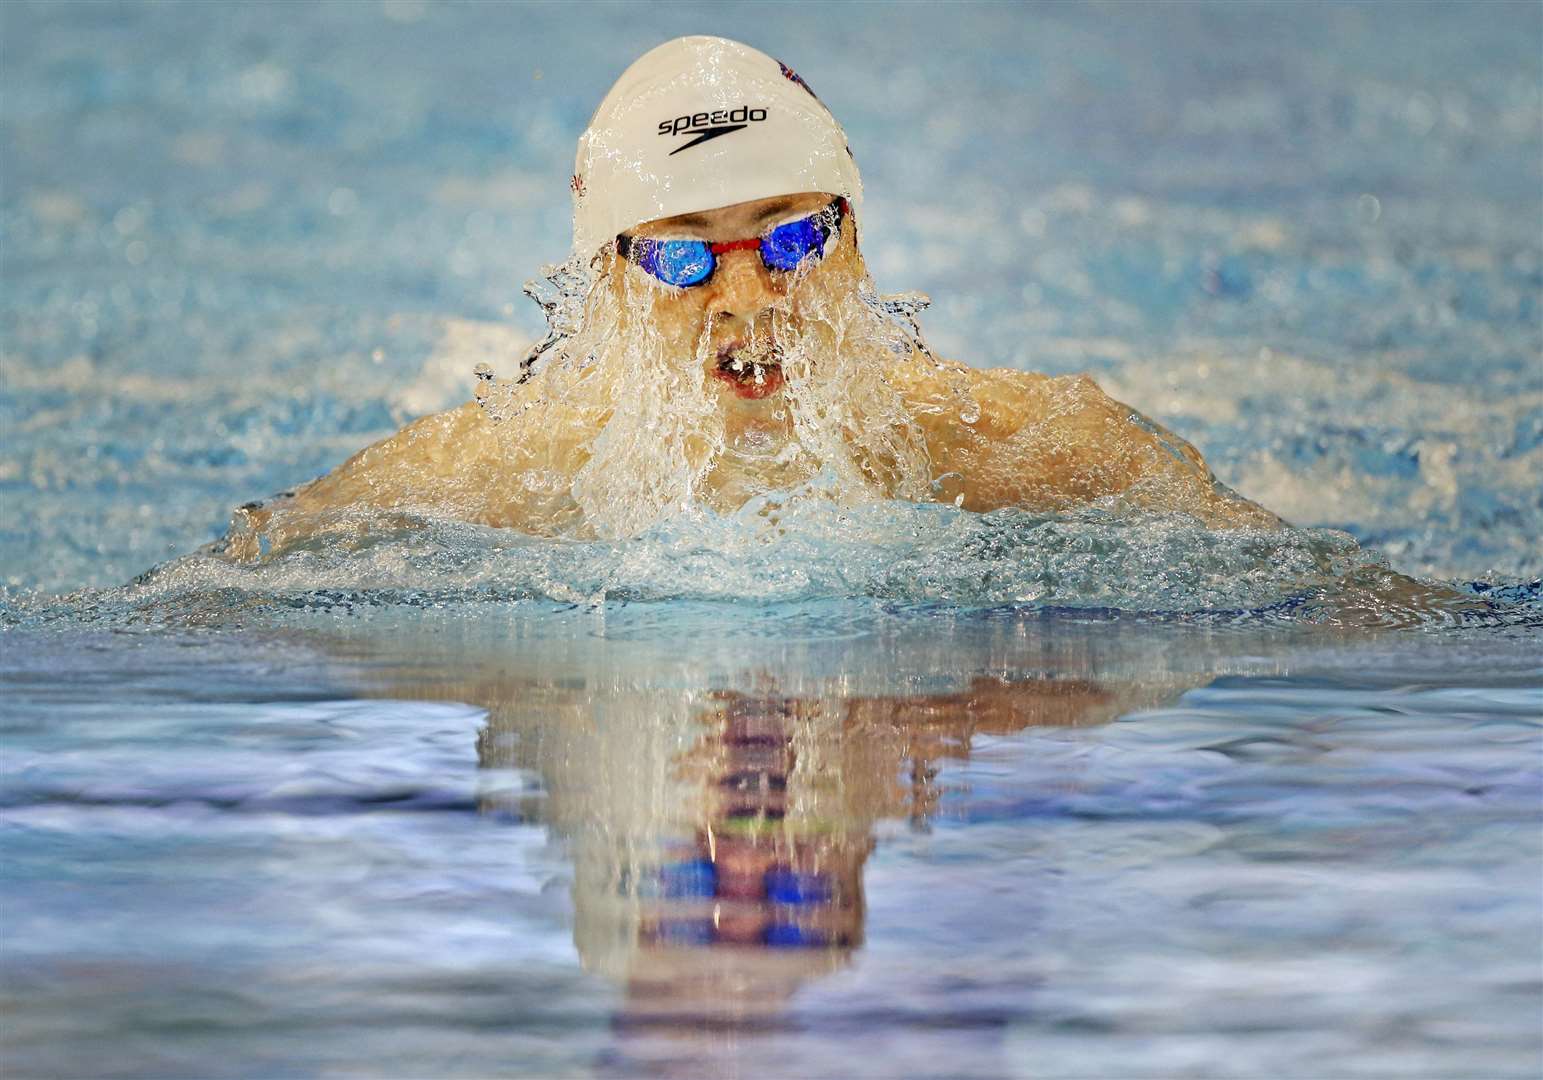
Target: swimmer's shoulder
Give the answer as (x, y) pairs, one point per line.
(995, 402)
(429, 443)
(1009, 398)
(473, 432)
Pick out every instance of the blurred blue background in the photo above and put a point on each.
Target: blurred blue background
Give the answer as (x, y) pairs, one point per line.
(242, 240)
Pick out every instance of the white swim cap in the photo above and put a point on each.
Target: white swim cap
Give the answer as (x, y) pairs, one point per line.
(699, 123)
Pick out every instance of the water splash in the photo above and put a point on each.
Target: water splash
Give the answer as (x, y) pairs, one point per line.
(625, 378)
(808, 547)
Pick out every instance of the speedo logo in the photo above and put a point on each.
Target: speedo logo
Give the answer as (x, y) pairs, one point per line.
(710, 125)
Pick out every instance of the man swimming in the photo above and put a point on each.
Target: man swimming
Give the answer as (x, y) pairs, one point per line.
(729, 344)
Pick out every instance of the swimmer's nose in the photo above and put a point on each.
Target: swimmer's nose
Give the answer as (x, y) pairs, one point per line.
(741, 286)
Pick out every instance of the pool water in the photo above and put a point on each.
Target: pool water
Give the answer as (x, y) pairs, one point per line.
(893, 791)
(833, 840)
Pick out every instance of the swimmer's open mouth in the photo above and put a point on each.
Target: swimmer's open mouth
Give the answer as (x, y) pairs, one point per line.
(757, 377)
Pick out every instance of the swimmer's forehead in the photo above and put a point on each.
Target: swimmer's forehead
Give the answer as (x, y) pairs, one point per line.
(737, 221)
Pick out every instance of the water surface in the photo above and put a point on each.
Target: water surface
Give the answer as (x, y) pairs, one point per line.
(830, 840)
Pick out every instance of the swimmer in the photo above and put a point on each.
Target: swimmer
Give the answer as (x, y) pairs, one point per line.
(727, 343)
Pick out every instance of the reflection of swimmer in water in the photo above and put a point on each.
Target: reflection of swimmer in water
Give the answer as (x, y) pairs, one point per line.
(719, 839)
(730, 344)
(769, 891)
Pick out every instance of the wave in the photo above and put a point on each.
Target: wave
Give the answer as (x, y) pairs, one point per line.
(801, 550)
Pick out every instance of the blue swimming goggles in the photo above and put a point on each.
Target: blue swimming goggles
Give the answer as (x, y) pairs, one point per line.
(684, 263)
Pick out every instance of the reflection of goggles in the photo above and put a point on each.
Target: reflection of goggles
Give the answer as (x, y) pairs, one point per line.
(684, 263)
(787, 916)
(698, 878)
(787, 886)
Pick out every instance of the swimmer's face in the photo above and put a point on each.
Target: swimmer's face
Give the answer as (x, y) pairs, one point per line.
(732, 309)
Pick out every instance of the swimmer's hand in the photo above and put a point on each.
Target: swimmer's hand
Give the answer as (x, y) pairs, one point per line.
(261, 531)
(267, 528)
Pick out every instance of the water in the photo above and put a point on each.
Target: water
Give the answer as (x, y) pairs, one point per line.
(485, 841)
(894, 791)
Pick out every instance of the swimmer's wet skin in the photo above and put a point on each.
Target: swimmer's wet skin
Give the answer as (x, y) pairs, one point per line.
(730, 346)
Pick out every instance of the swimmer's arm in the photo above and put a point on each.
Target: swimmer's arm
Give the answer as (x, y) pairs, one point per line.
(1004, 438)
(376, 478)
(455, 463)
(1195, 486)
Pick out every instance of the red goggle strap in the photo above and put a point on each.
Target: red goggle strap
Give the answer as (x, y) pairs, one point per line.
(736, 245)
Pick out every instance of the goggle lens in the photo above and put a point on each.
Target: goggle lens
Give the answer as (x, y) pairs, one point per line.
(676, 262)
(788, 245)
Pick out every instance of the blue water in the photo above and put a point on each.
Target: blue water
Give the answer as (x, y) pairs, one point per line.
(449, 843)
(904, 791)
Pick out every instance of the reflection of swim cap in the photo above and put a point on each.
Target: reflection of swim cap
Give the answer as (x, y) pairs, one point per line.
(699, 123)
